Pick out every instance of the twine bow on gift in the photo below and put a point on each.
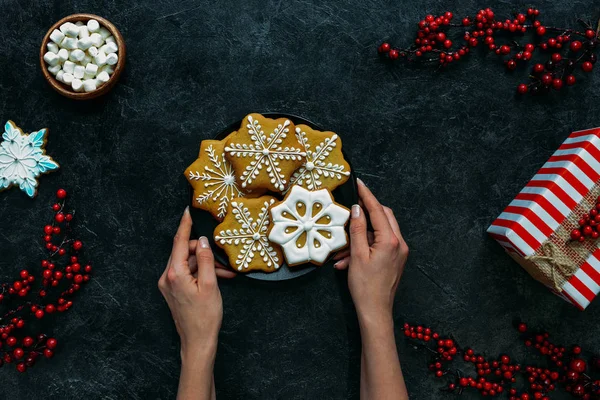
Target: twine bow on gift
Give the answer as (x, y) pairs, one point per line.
(561, 266)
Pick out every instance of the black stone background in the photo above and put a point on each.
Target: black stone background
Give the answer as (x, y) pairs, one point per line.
(447, 151)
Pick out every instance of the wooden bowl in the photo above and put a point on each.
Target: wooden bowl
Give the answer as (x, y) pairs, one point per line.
(66, 90)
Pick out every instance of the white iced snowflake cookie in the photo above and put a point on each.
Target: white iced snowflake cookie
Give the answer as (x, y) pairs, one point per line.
(213, 179)
(243, 236)
(264, 153)
(308, 226)
(23, 159)
(324, 166)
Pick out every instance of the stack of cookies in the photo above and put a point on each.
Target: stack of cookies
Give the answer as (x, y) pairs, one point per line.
(270, 184)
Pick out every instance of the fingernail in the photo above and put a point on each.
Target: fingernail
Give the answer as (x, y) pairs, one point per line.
(355, 211)
(203, 242)
(336, 264)
(361, 182)
(187, 210)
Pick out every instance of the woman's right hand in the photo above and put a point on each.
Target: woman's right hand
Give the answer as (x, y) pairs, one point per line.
(375, 262)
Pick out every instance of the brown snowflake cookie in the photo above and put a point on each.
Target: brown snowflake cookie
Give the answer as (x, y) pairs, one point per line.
(324, 166)
(264, 153)
(243, 235)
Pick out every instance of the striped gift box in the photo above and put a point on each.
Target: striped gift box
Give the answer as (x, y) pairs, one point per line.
(569, 178)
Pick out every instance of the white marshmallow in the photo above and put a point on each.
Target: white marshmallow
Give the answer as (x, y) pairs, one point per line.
(84, 32)
(89, 85)
(69, 29)
(69, 43)
(63, 55)
(103, 77)
(77, 55)
(84, 43)
(107, 68)
(67, 78)
(59, 75)
(55, 69)
(100, 59)
(51, 58)
(52, 47)
(109, 48)
(104, 32)
(79, 23)
(91, 69)
(69, 67)
(77, 85)
(112, 58)
(79, 71)
(93, 51)
(96, 39)
(86, 60)
(93, 25)
(110, 39)
(57, 36)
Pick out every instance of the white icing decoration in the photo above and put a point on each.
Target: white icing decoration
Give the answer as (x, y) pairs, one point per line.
(23, 158)
(266, 151)
(289, 225)
(219, 182)
(316, 165)
(252, 236)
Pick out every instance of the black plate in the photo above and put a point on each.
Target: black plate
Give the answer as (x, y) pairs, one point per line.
(205, 223)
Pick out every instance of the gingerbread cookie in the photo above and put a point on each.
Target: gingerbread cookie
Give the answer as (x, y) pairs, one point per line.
(309, 226)
(243, 236)
(324, 166)
(213, 179)
(23, 159)
(264, 153)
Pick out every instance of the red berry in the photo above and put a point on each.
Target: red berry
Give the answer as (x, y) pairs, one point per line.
(504, 49)
(556, 57)
(522, 328)
(575, 234)
(440, 37)
(590, 34)
(575, 46)
(48, 353)
(538, 68)
(557, 83)
(547, 79)
(77, 245)
(522, 88)
(384, 48)
(447, 43)
(393, 54)
(576, 350)
(56, 207)
(21, 367)
(511, 64)
(541, 30)
(577, 365)
(571, 81)
(552, 42)
(60, 217)
(27, 341)
(11, 341)
(48, 229)
(61, 193)
(587, 66)
(39, 314)
(51, 343)
(18, 353)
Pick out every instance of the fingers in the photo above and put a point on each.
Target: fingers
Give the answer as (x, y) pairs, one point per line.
(359, 244)
(225, 273)
(205, 261)
(342, 264)
(180, 253)
(393, 222)
(376, 214)
(341, 254)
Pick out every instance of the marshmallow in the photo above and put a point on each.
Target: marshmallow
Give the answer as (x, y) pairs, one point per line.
(109, 48)
(79, 71)
(86, 60)
(69, 43)
(107, 68)
(89, 85)
(84, 32)
(63, 55)
(91, 69)
(69, 29)
(79, 23)
(69, 67)
(57, 36)
(112, 58)
(110, 39)
(52, 47)
(103, 77)
(52, 59)
(84, 43)
(93, 51)
(77, 55)
(55, 69)
(96, 39)
(77, 85)
(67, 78)
(93, 25)
(100, 59)
(59, 75)
(104, 32)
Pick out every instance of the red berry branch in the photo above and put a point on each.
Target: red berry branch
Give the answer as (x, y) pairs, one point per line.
(566, 49)
(61, 275)
(494, 376)
(589, 225)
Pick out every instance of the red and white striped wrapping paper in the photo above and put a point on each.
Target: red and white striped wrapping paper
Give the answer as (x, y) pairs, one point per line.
(546, 201)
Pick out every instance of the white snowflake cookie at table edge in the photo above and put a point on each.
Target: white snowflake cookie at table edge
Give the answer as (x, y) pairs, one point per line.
(213, 179)
(325, 166)
(309, 226)
(243, 236)
(264, 160)
(23, 159)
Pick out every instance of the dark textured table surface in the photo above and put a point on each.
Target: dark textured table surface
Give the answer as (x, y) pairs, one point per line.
(447, 151)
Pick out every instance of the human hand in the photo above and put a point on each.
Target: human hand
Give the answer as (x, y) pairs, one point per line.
(189, 285)
(376, 260)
